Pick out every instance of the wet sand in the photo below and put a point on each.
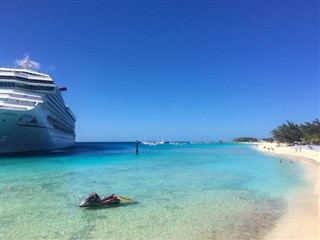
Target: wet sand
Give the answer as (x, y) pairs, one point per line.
(302, 218)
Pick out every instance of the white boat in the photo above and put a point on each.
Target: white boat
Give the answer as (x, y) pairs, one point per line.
(33, 115)
(149, 143)
(177, 143)
(153, 143)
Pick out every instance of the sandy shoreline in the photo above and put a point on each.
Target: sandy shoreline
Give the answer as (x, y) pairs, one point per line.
(297, 151)
(302, 218)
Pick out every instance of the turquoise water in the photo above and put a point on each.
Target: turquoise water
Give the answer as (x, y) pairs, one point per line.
(191, 191)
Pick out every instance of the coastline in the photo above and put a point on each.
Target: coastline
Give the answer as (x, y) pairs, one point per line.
(302, 219)
(297, 151)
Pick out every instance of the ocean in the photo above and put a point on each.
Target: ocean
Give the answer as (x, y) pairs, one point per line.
(190, 191)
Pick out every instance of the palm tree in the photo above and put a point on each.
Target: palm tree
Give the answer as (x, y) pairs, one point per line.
(288, 133)
(311, 131)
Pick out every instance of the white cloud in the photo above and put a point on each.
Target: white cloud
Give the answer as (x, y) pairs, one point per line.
(51, 68)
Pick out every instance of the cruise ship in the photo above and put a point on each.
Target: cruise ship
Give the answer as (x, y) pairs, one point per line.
(33, 115)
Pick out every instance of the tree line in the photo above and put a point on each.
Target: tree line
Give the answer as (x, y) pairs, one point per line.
(291, 132)
(245, 139)
(251, 139)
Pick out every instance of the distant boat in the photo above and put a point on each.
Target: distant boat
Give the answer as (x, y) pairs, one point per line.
(33, 115)
(153, 143)
(177, 143)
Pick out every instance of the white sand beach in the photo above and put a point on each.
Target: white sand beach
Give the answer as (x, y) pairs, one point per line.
(302, 218)
(310, 152)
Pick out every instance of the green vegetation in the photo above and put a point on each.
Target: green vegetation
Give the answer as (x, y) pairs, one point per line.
(268, 140)
(292, 132)
(245, 139)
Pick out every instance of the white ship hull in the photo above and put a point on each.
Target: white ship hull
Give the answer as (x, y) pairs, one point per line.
(33, 115)
(19, 134)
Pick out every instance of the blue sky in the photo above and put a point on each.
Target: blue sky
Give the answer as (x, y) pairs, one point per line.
(181, 70)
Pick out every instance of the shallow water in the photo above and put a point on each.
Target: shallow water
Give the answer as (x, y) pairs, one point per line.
(191, 191)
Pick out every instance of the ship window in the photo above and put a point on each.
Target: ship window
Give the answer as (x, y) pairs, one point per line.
(26, 80)
(25, 86)
(7, 84)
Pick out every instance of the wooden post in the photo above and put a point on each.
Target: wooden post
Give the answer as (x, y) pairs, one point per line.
(137, 147)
